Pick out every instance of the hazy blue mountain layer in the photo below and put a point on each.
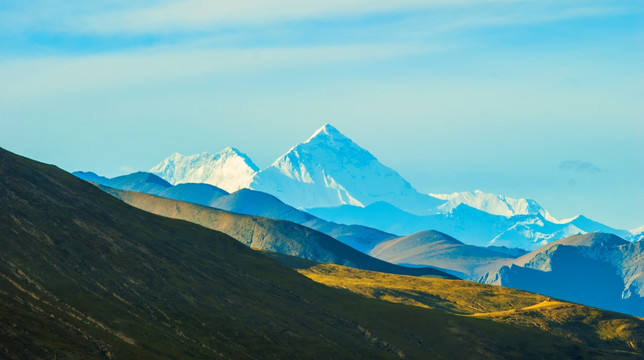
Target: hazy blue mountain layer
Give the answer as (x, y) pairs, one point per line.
(598, 269)
(244, 201)
(470, 225)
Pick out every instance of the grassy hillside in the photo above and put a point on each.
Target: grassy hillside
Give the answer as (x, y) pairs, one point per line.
(575, 322)
(83, 275)
(269, 234)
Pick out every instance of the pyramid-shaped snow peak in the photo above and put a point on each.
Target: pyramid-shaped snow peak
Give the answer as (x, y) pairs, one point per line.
(229, 169)
(329, 169)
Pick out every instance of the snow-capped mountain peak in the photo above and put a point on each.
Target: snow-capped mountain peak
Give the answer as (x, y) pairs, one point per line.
(327, 133)
(637, 234)
(329, 169)
(493, 204)
(229, 169)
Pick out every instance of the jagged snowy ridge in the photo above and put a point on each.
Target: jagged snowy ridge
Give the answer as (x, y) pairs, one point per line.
(229, 169)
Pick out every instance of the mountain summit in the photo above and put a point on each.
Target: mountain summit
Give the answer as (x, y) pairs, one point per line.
(229, 169)
(327, 130)
(329, 169)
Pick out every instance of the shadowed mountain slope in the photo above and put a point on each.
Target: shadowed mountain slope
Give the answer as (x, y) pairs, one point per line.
(83, 275)
(279, 236)
(243, 201)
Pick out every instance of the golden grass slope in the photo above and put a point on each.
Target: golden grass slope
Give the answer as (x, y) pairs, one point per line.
(578, 323)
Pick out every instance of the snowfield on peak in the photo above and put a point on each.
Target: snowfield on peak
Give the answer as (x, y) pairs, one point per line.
(493, 204)
(637, 230)
(637, 234)
(329, 169)
(229, 169)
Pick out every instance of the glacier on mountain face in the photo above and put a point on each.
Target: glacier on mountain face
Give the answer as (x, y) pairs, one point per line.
(229, 169)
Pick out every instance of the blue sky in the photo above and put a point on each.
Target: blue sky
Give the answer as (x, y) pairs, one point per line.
(538, 99)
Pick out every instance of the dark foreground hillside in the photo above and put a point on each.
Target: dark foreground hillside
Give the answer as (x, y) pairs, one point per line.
(83, 275)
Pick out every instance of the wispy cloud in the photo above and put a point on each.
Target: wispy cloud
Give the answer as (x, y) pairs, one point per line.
(31, 79)
(171, 15)
(579, 166)
(202, 14)
(163, 17)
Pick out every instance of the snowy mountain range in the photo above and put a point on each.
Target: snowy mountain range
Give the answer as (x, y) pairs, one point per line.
(335, 179)
(328, 169)
(493, 204)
